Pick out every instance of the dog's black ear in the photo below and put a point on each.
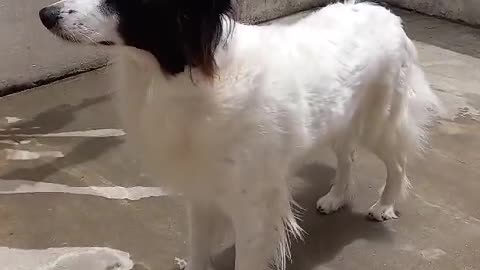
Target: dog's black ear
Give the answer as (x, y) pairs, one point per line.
(200, 28)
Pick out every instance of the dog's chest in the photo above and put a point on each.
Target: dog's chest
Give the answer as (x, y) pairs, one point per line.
(175, 140)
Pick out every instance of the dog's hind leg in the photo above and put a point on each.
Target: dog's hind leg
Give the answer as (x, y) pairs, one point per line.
(342, 188)
(397, 183)
(398, 137)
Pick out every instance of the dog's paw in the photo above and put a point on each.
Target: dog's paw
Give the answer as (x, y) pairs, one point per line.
(330, 203)
(379, 212)
(181, 263)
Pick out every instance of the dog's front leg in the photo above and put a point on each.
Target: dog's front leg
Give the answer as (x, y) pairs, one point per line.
(260, 233)
(201, 216)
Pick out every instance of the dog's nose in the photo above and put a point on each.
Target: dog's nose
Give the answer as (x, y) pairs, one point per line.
(49, 16)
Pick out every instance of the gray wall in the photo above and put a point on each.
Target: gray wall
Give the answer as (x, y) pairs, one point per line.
(254, 11)
(462, 10)
(31, 56)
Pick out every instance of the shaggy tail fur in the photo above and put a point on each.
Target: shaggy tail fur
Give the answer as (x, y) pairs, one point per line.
(414, 105)
(393, 119)
(424, 106)
(402, 115)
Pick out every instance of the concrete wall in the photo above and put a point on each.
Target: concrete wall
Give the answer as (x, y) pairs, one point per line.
(254, 11)
(30, 56)
(460, 10)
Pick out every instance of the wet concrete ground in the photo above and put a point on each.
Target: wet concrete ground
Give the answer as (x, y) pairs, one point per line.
(55, 196)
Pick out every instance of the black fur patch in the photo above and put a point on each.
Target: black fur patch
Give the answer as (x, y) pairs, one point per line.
(179, 33)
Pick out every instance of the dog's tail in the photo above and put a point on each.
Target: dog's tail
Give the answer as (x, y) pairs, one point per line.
(415, 96)
(400, 117)
(396, 120)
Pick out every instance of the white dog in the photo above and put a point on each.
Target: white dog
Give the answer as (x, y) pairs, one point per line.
(225, 113)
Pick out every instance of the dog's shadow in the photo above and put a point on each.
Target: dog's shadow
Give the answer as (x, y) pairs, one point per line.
(326, 235)
(52, 120)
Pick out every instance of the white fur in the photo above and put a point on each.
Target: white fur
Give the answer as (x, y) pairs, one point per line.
(345, 76)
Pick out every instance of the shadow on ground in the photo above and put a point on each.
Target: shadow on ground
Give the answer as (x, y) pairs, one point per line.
(53, 120)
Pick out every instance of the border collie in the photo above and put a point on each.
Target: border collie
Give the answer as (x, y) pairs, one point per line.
(225, 113)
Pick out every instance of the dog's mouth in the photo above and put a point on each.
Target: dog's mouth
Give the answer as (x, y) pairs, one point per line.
(106, 43)
(52, 16)
(73, 38)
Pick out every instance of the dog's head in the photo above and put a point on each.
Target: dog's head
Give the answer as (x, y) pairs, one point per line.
(178, 33)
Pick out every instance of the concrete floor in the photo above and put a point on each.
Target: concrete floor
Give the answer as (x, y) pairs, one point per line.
(56, 207)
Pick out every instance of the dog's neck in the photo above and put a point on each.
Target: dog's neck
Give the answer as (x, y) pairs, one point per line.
(191, 83)
(188, 84)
